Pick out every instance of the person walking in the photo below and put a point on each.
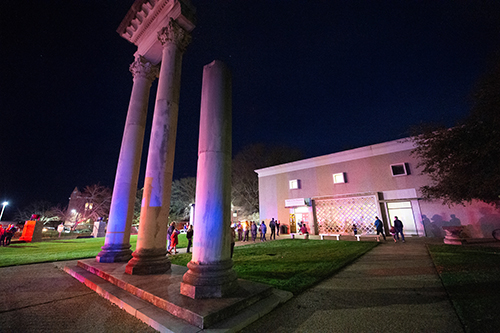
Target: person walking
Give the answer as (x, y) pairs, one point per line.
(272, 225)
(380, 227)
(398, 225)
(189, 236)
(263, 230)
(253, 230)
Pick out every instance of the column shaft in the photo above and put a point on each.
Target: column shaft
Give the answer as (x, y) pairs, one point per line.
(117, 243)
(150, 254)
(210, 271)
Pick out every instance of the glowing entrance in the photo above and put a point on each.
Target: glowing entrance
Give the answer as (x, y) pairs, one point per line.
(404, 211)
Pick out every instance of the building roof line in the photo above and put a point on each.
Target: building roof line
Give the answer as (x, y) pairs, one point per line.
(343, 156)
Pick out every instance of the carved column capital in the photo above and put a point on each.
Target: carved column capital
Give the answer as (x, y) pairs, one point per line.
(143, 68)
(174, 33)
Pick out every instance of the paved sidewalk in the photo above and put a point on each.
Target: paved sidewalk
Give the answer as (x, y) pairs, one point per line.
(393, 288)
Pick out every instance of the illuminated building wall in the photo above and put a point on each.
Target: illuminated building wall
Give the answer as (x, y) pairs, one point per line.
(331, 193)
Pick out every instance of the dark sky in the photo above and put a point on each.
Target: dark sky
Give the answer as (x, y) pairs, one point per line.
(320, 75)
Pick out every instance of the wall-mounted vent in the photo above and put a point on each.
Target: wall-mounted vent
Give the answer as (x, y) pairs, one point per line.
(400, 169)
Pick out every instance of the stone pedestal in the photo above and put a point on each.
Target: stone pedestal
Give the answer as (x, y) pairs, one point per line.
(99, 229)
(32, 231)
(453, 235)
(210, 271)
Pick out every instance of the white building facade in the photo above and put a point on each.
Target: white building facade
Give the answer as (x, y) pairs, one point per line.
(334, 193)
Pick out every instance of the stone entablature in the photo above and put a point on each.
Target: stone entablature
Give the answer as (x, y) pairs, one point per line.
(147, 17)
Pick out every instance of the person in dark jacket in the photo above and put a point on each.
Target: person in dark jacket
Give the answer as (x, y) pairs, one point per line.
(170, 229)
(398, 225)
(379, 226)
(253, 230)
(263, 230)
(272, 226)
(189, 236)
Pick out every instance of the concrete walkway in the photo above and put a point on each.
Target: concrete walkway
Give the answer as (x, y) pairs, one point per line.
(393, 288)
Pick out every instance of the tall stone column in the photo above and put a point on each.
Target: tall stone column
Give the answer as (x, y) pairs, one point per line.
(150, 254)
(117, 244)
(210, 273)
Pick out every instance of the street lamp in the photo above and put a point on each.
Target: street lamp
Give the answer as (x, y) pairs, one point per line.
(5, 203)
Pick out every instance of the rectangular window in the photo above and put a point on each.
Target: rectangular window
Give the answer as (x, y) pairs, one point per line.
(400, 169)
(339, 178)
(294, 184)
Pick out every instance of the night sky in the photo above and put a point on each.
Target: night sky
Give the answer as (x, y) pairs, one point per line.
(322, 76)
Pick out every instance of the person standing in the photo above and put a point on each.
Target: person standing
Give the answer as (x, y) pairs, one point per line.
(398, 225)
(2, 236)
(11, 230)
(171, 229)
(272, 225)
(60, 229)
(253, 230)
(175, 240)
(263, 230)
(233, 236)
(189, 236)
(380, 227)
(246, 231)
(240, 232)
(278, 228)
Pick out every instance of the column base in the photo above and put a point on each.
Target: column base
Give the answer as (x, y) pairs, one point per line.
(114, 253)
(214, 280)
(148, 262)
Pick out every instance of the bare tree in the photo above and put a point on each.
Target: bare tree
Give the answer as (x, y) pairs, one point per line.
(183, 196)
(94, 203)
(44, 209)
(245, 183)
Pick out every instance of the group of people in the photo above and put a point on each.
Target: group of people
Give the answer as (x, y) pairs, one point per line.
(173, 238)
(243, 230)
(6, 234)
(395, 230)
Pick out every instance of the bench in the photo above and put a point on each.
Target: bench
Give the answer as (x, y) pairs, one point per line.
(368, 236)
(294, 234)
(330, 235)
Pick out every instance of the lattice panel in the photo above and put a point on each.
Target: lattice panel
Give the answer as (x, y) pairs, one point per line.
(337, 216)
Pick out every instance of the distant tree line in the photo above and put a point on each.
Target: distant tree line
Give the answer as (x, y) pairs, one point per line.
(94, 201)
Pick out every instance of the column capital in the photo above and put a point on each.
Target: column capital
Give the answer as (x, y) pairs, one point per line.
(174, 33)
(141, 67)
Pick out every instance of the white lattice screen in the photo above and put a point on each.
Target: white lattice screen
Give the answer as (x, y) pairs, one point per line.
(339, 215)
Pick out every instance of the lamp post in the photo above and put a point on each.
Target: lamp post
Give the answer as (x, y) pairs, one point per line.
(5, 203)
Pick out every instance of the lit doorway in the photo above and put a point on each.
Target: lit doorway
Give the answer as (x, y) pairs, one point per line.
(404, 212)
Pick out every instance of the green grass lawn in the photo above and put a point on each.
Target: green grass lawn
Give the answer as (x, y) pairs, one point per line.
(57, 250)
(292, 265)
(471, 276)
